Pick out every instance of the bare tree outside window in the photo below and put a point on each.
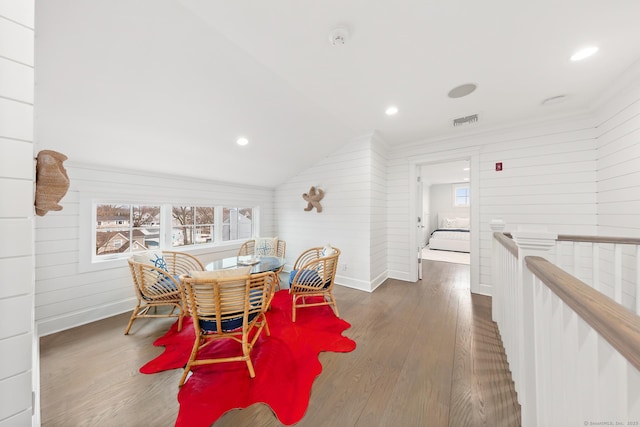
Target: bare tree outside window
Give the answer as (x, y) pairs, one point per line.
(192, 225)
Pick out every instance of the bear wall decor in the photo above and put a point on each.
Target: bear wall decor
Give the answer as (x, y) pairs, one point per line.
(313, 199)
(52, 181)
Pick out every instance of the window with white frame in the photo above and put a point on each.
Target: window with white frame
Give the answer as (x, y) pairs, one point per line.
(121, 229)
(192, 225)
(237, 223)
(461, 195)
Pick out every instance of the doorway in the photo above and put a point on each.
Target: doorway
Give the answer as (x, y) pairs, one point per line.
(444, 203)
(423, 171)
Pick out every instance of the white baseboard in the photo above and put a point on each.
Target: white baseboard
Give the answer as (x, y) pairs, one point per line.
(399, 275)
(483, 289)
(361, 285)
(375, 283)
(61, 323)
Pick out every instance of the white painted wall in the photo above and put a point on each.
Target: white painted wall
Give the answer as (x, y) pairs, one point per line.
(549, 180)
(618, 181)
(69, 290)
(618, 184)
(353, 205)
(442, 203)
(18, 343)
(378, 230)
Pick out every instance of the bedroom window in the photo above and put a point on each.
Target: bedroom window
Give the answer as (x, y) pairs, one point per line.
(461, 195)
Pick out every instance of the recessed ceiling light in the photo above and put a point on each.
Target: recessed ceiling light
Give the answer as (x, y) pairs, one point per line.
(242, 141)
(584, 53)
(465, 169)
(391, 110)
(462, 90)
(466, 179)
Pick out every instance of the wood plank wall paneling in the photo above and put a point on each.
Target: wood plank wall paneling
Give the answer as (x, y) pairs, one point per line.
(352, 178)
(618, 183)
(68, 294)
(548, 179)
(618, 186)
(16, 218)
(378, 246)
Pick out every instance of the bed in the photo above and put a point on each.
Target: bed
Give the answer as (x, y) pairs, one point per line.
(452, 234)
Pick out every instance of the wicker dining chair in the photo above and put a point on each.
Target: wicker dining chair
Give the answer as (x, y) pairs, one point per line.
(313, 275)
(155, 276)
(249, 248)
(227, 308)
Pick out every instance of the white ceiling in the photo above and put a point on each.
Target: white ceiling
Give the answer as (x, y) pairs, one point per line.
(168, 85)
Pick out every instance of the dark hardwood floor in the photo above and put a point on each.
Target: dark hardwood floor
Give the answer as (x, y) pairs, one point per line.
(427, 354)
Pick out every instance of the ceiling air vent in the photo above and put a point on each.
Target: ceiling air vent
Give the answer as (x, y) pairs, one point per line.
(465, 121)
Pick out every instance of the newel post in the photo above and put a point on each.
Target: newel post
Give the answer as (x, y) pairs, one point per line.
(530, 243)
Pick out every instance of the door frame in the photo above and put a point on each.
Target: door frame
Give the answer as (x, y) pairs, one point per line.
(472, 155)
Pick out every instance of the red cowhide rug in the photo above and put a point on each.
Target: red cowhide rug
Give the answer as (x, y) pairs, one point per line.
(286, 364)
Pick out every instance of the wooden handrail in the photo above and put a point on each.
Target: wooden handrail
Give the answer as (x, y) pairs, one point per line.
(616, 324)
(507, 242)
(599, 239)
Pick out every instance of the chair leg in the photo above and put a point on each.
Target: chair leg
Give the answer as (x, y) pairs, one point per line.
(335, 306)
(252, 373)
(131, 319)
(293, 310)
(180, 318)
(192, 357)
(246, 351)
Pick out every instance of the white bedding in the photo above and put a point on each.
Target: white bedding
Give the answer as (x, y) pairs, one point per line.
(453, 235)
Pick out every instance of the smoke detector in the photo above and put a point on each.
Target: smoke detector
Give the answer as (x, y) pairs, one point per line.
(338, 36)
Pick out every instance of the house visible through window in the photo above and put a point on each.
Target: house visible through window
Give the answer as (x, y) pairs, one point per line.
(122, 229)
(126, 228)
(237, 223)
(461, 195)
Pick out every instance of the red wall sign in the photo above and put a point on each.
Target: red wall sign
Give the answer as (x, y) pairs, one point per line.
(498, 166)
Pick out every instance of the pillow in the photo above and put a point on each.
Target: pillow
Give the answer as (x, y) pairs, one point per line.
(153, 258)
(462, 223)
(220, 274)
(448, 223)
(327, 251)
(308, 277)
(266, 246)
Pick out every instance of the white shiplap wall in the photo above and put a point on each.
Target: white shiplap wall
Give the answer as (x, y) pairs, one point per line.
(618, 185)
(352, 202)
(69, 290)
(548, 181)
(618, 142)
(18, 345)
(378, 246)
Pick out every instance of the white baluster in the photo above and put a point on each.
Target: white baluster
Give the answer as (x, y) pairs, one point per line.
(617, 274)
(587, 366)
(638, 280)
(569, 408)
(595, 266)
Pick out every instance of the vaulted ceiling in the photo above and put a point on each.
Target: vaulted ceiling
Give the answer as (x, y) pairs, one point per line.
(170, 85)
